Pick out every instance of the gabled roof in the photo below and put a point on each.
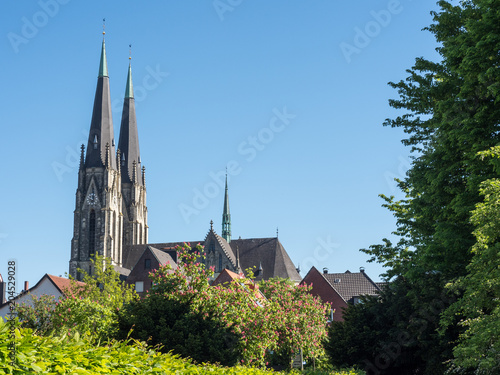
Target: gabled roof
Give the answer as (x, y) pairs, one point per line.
(352, 284)
(61, 283)
(226, 248)
(132, 253)
(227, 276)
(162, 257)
(268, 252)
(253, 252)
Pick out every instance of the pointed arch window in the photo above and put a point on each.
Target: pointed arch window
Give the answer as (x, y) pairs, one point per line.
(220, 262)
(91, 233)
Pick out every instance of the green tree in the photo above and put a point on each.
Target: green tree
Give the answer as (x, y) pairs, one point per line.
(451, 112)
(479, 307)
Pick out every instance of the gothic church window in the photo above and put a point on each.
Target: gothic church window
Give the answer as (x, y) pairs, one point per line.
(220, 262)
(147, 264)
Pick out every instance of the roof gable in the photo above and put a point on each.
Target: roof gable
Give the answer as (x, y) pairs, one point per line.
(352, 284)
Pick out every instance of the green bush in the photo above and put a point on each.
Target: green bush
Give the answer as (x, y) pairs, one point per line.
(78, 355)
(173, 326)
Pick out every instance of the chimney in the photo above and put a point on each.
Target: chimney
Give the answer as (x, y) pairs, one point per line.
(362, 269)
(3, 287)
(325, 271)
(26, 286)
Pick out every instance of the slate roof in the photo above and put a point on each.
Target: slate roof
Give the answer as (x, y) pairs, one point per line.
(253, 252)
(352, 284)
(163, 257)
(132, 253)
(128, 143)
(268, 252)
(101, 126)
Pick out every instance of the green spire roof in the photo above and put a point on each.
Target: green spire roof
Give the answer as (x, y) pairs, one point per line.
(103, 67)
(226, 217)
(129, 90)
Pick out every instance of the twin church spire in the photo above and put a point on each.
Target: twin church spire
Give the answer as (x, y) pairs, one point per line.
(110, 210)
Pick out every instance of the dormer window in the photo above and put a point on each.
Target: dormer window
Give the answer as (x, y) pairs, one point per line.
(123, 159)
(95, 142)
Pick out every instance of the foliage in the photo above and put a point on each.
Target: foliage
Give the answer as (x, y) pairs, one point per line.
(479, 306)
(79, 355)
(37, 315)
(300, 318)
(451, 112)
(90, 307)
(173, 326)
(241, 320)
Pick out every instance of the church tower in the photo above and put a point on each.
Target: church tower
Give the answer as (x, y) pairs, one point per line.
(97, 217)
(226, 217)
(135, 219)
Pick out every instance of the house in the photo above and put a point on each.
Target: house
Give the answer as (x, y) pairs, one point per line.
(340, 289)
(49, 284)
(226, 277)
(150, 260)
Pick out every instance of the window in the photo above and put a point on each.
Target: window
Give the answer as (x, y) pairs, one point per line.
(220, 262)
(147, 264)
(139, 286)
(91, 233)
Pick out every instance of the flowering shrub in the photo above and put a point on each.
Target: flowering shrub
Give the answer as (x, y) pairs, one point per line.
(289, 319)
(38, 314)
(299, 319)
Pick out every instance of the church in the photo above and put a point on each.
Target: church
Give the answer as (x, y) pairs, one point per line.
(111, 216)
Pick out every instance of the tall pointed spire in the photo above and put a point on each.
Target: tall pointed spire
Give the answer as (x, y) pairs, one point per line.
(226, 217)
(101, 126)
(103, 66)
(128, 142)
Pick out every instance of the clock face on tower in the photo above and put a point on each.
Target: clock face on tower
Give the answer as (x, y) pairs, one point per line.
(92, 199)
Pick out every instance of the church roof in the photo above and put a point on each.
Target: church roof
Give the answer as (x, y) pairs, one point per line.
(101, 126)
(268, 253)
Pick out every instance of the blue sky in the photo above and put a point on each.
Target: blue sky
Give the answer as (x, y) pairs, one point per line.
(291, 95)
